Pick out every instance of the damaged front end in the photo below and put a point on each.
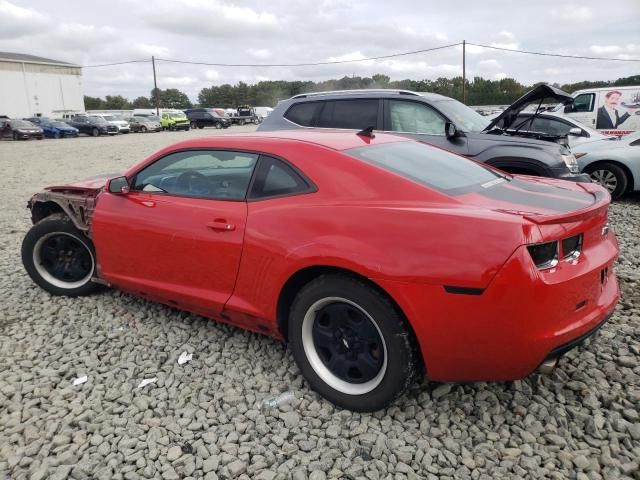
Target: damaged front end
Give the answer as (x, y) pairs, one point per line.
(76, 201)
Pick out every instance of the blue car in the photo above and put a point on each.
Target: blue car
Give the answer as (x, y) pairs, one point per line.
(57, 129)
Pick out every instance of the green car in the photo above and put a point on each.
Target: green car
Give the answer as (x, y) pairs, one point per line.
(174, 121)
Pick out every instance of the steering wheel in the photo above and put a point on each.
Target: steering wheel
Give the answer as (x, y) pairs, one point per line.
(193, 182)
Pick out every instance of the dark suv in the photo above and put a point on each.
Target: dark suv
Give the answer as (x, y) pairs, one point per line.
(206, 117)
(434, 119)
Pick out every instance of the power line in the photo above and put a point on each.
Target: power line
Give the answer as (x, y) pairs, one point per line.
(312, 64)
(380, 57)
(528, 52)
(117, 63)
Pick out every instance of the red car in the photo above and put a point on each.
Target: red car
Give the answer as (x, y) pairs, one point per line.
(378, 258)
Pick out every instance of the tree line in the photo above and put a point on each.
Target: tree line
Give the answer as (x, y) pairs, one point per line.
(479, 91)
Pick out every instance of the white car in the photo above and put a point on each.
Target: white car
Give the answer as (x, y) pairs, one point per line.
(612, 161)
(123, 125)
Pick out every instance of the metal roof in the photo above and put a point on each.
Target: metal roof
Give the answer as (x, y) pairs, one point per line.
(22, 57)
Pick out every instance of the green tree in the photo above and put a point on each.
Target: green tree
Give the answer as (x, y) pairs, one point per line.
(116, 102)
(171, 98)
(93, 103)
(142, 102)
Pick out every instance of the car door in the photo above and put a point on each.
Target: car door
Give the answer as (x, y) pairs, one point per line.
(422, 122)
(583, 109)
(177, 235)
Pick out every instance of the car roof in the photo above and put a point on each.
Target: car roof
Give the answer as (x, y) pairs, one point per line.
(337, 139)
(370, 93)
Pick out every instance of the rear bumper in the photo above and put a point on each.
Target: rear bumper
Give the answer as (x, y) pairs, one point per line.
(522, 318)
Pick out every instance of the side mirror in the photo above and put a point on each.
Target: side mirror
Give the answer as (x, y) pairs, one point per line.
(568, 108)
(118, 186)
(575, 132)
(450, 130)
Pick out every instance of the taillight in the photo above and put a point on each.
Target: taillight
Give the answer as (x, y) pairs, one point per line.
(571, 247)
(544, 255)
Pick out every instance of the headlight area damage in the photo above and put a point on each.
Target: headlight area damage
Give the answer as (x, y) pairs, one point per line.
(76, 200)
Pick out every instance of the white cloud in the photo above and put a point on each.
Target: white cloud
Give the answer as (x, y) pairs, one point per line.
(499, 76)
(212, 75)
(156, 50)
(572, 13)
(489, 64)
(261, 53)
(615, 49)
(19, 21)
(508, 46)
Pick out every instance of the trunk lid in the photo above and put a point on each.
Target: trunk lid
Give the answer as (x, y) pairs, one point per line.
(541, 200)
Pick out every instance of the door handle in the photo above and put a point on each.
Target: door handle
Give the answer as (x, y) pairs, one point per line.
(142, 201)
(221, 225)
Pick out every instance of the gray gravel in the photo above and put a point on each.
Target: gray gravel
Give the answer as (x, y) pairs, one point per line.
(200, 420)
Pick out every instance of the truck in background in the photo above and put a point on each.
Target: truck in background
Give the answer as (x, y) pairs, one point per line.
(611, 110)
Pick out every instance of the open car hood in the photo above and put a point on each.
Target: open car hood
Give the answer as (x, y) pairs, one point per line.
(505, 119)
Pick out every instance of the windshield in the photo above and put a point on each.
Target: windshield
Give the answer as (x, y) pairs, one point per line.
(56, 124)
(465, 118)
(99, 120)
(176, 115)
(21, 124)
(110, 118)
(427, 165)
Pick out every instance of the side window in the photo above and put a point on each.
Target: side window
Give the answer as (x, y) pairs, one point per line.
(212, 174)
(583, 103)
(302, 113)
(414, 117)
(356, 114)
(275, 178)
(554, 127)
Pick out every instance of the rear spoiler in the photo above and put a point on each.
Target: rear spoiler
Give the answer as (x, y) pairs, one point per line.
(602, 199)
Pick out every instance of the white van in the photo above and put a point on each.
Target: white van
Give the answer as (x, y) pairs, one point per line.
(611, 110)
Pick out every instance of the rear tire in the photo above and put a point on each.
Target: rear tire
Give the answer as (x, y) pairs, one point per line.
(59, 258)
(351, 343)
(610, 176)
(194, 125)
(218, 125)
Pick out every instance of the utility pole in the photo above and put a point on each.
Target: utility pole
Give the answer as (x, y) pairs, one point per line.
(155, 86)
(464, 72)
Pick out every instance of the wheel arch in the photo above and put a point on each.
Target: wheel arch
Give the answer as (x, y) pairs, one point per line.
(630, 179)
(302, 277)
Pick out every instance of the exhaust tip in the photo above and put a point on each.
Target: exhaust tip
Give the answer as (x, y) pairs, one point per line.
(548, 366)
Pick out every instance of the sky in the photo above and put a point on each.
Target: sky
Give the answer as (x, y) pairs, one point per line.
(306, 31)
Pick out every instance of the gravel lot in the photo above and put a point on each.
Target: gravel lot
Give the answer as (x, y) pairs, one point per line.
(200, 419)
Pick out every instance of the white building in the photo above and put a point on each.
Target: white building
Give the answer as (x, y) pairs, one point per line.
(31, 86)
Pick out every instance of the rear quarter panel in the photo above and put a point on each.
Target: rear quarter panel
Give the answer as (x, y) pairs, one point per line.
(350, 223)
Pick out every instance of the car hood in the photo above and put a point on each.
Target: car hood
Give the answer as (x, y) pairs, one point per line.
(537, 199)
(88, 186)
(506, 118)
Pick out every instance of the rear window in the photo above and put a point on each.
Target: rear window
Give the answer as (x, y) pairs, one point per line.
(302, 113)
(356, 114)
(430, 166)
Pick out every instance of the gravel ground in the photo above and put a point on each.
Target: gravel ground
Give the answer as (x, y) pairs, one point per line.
(201, 420)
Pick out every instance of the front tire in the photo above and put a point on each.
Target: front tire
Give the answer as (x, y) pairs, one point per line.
(218, 125)
(95, 132)
(351, 343)
(59, 258)
(610, 176)
(143, 129)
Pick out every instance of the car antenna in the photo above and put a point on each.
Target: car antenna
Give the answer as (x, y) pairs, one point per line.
(367, 132)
